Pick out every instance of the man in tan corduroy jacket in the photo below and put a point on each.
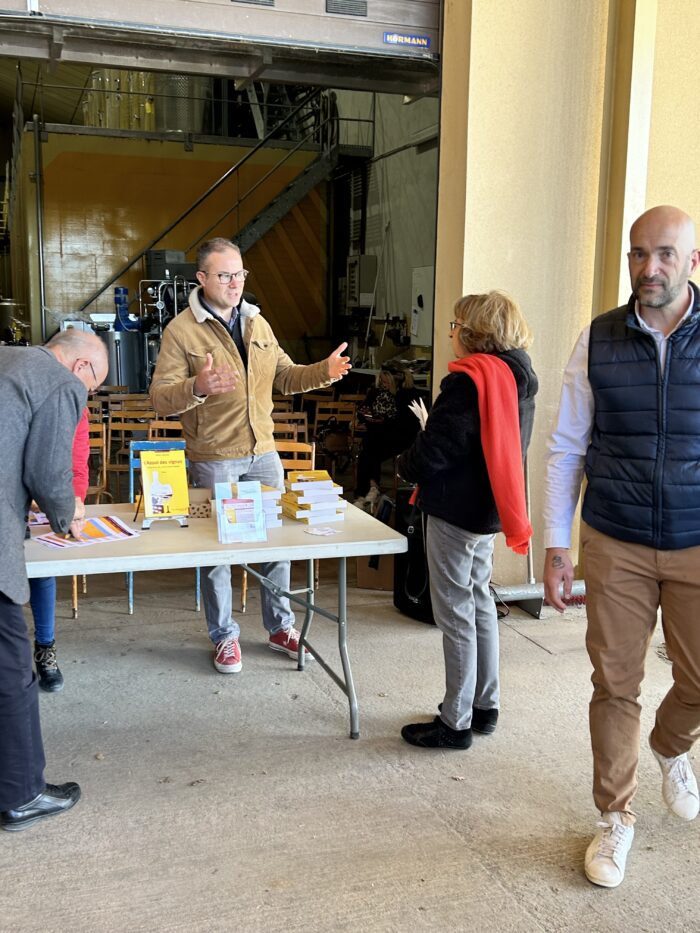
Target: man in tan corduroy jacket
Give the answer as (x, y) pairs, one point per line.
(218, 366)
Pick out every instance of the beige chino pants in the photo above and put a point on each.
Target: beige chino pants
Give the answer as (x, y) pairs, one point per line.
(625, 586)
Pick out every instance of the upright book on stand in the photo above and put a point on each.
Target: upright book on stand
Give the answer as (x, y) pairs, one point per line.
(164, 492)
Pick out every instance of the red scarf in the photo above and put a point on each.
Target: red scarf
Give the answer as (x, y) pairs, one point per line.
(500, 425)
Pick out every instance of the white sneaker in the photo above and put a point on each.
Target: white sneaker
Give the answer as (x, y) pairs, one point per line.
(607, 854)
(679, 788)
(372, 496)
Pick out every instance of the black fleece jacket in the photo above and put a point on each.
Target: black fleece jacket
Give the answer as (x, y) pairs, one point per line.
(447, 459)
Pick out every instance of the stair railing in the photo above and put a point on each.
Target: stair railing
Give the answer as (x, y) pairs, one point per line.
(200, 200)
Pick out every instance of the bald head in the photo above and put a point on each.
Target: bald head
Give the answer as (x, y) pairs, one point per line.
(662, 257)
(83, 353)
(665, 220)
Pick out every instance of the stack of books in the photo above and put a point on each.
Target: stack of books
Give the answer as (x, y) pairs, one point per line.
(312, 497)
(272, 506)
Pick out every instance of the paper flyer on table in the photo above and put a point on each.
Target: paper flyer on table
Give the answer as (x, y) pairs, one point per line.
(95, 531)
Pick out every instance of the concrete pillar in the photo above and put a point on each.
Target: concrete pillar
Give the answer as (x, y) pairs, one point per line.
(522, 121)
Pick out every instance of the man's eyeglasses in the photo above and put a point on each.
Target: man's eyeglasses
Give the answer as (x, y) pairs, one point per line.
(94, 376)
(226, 277)
(454, 324)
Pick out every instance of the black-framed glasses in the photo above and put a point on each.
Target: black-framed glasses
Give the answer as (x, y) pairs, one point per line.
(226, 277)
(94, 376)
(454, 324)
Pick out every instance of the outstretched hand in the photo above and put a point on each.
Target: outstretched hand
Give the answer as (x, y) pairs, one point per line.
(213, 380)
(338, 366)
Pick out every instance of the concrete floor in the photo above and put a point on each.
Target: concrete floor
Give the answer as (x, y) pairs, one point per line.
(238, 803)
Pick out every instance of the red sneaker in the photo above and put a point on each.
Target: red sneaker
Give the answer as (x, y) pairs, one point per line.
(287, 640)
(227, 657)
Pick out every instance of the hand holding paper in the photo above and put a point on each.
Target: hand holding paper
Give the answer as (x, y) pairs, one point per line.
(418, 408)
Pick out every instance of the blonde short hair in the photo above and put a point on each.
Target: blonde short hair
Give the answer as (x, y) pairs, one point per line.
(384, 376)
(491, 323)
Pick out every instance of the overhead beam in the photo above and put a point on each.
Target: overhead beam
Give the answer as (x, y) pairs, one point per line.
(36, 37)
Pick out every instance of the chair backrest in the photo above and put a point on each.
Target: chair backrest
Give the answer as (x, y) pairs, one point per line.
(343, 412)
(95, 409)
(298, 418)
(282, 402)
(133, 403)
(309, 401)
(127, 400)
(123, 423)
(296, 455)
(356, 397)
(163, 428)
(319, 395)
(284, 430)
(108, 390)
(135, 449)
(97, 441)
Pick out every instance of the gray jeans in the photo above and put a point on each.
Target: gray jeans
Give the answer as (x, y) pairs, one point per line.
(216, 581)
(460, 565)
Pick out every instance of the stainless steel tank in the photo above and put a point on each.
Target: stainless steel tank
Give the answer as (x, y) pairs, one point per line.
(9, 311)
(127, 358)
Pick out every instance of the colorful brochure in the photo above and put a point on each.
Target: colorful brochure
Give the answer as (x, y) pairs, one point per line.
(95, 531)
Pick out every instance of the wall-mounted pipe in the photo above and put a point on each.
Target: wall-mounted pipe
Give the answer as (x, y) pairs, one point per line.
(511, 594)
(39, 182)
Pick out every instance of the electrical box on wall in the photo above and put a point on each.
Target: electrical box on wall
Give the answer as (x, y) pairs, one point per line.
(422, 289)
(361, 277)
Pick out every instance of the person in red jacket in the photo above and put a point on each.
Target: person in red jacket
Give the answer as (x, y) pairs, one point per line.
(42, 590)
(468, 464)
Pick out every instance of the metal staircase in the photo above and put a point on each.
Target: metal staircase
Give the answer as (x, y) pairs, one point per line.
(311, 176)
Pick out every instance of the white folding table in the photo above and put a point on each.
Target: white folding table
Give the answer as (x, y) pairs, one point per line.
(167, 546)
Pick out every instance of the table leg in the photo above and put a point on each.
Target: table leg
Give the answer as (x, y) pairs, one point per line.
(130, 591)
(346, 683)
(308, 614)
(343, 648)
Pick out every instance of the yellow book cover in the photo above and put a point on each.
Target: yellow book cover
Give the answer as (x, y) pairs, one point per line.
(293, 501)
(164, 483)
(298, 479)
(312, 518)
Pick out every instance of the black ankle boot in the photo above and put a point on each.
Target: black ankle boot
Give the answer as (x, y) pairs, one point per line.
(50, 678)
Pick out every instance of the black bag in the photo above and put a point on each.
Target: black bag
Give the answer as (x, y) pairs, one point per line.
(411, 580)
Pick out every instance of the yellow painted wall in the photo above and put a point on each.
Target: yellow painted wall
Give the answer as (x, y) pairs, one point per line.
(534, 116)
(105, 198)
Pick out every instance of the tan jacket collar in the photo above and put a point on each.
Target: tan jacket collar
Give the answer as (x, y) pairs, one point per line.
(201, 314)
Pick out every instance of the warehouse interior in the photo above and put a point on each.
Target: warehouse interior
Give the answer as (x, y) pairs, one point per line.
(513, 152)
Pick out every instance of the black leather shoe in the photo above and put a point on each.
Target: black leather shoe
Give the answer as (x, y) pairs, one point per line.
(50, 678)
(55, 799)
(436, 734)
(483, 720)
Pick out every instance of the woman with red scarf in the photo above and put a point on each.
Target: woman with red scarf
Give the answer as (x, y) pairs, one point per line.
(468, 464)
